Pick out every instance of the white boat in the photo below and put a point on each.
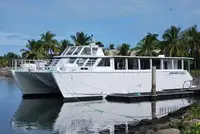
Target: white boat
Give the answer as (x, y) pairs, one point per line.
(84, 71)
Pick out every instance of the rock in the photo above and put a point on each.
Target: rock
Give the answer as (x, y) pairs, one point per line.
(142, 130)
(187, 115)
(133, 132)
(174, 123)
(145, 122)
(150, 131)
(193, 122)
(120, 127)
(132, 125)
(168, 131)
(105, 131)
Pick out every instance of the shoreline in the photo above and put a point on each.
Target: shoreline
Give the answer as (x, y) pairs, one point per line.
(5, 72)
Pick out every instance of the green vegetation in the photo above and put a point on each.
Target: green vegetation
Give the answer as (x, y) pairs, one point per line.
(189, 123)
(174, 42)
(194, 114)
(195, 129)
(194, 111)
(7, 58)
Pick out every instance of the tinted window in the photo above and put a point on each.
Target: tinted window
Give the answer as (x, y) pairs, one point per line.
(156, 62)
(77, 50)
(91, 62)
(86, 51)
(145, 63)
(133, 64)
(104, 62)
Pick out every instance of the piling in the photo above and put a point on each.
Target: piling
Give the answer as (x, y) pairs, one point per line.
(153, 80)
(153, 109)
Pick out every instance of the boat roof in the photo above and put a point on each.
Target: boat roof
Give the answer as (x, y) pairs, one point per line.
(138, 57)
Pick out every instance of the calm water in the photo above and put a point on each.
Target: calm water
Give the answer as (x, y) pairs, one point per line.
(52, 116)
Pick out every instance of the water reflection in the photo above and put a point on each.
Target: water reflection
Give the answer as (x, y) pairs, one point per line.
(9, 82)
(86, 117)
(39, 114)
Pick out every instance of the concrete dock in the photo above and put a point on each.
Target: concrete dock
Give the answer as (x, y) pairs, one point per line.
(147, 96)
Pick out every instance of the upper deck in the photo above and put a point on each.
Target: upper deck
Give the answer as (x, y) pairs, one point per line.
(92, 58)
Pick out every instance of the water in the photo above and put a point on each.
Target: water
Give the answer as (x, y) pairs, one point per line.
(45, 116)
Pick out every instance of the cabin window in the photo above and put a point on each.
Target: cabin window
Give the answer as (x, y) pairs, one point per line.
(104, 62)
(77, 50)
(71, 50)
(91, 62)
(133, 64)
(71, 60)
(145, 63)
(54, 62)
(120, 64)
(156, 62)
(81, 61)
(186, 65)
(177, 64)
(94, 50)
(66, 49)
(86, 51)
(167, 63)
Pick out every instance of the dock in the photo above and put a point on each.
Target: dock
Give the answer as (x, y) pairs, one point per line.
(147, 96)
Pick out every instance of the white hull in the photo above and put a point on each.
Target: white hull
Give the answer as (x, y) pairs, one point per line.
(31, 85)
(84, 71)
(85, 84)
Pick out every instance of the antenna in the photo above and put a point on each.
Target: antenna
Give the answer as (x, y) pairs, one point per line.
(93, 40)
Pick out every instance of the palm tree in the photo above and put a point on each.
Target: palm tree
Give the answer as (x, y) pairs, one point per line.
(34, 50)
(111, 46)
(50, 44)
(174, 42)
(81, 39)
(192, 38)
(63, 45)
(124, 49)
(3, 62)
(99, 43)
(9, 57)
(148, 45)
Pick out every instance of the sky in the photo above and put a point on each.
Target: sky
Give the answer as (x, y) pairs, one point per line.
(110, 21)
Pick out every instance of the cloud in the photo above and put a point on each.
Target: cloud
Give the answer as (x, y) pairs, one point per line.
(10, 39)
(18, 39)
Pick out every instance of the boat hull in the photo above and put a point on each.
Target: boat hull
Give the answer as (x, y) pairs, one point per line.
(86, 84)
(31, 86)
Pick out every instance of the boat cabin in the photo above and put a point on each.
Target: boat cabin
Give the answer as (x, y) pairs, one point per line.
(92, 58)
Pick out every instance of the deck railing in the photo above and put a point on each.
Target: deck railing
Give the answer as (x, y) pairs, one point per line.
(24, 64)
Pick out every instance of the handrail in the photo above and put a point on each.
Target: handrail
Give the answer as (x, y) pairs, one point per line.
(191, 83)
